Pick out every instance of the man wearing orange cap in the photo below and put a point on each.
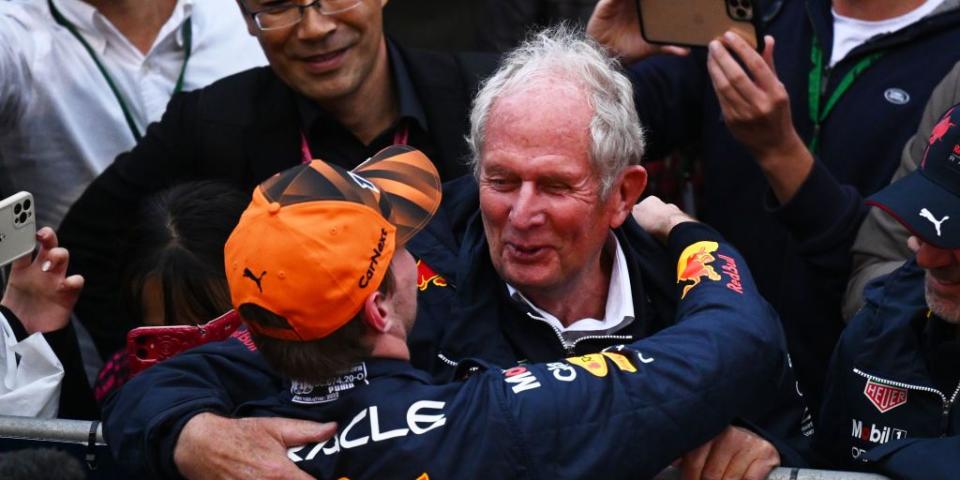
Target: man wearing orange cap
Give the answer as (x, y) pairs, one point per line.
(318, 270)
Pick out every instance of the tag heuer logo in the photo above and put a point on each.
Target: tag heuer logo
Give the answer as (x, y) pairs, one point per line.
(884, 397)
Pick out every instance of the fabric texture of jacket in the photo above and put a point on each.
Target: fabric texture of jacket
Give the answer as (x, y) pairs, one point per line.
(883, 408)
(624, 414)
(799, 251)
(240, 130)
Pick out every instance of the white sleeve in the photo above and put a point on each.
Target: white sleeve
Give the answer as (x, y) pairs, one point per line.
(16, 48)
(31, 375)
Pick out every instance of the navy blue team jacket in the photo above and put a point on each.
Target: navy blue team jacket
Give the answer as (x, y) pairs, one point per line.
(624, 414)
(890, 403)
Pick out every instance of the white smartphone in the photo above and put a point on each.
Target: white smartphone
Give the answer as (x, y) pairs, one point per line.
(18, 227)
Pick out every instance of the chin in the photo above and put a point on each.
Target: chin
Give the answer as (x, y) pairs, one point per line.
(946, 309)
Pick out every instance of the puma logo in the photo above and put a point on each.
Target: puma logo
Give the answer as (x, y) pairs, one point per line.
(248, 274)
(936, 223)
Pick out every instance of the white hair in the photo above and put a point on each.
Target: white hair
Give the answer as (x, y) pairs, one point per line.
(566, 54)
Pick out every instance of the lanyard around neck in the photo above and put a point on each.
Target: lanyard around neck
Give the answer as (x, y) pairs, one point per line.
(400, 137)
(816, 88)
(187, 42)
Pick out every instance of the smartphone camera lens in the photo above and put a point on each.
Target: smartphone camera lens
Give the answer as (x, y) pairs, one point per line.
(26, 204)
(741, 13)
(16, 209)
(23, 217)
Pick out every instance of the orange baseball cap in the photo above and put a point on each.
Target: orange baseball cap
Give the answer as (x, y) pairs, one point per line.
(316, 239)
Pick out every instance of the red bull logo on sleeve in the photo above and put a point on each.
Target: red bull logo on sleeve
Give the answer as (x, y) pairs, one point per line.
(593, 363)
(694, 265)
(885, 397)
(426, 277)
(730, 268)
(596, 363)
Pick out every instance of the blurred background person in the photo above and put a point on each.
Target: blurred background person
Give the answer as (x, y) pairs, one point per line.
(80, 80)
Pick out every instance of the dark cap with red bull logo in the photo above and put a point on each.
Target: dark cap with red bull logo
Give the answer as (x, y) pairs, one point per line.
(927, 201)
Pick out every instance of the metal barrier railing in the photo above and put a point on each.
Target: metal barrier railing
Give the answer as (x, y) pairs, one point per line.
(784, 473)
(52, 430)
(78, 432)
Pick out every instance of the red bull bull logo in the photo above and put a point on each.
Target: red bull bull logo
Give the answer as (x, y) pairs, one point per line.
(426, 277)
(694, 265)
(937, 133)
(941, 128)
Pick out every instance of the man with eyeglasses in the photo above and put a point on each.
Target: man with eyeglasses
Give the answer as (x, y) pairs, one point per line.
(336, 89)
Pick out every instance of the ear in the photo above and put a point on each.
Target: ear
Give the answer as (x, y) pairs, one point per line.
(627, 193)
(251, 26)
(375, 312)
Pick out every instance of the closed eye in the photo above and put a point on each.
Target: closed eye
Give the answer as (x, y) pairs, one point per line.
(500, 183)
(555, 187)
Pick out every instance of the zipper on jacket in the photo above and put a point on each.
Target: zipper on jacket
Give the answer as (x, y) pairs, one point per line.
(947, 403)
(945, 419)
(570, 347)
(443, 358)
(602, 337)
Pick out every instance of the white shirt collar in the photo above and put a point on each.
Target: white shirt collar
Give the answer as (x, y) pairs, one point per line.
(98, 30)
(619, 298)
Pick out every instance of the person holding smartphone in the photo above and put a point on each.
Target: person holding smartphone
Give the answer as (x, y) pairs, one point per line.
(35, 314)
(793, 137)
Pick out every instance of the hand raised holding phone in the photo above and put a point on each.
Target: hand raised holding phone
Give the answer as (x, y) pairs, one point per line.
(38, 291)
(615, 25)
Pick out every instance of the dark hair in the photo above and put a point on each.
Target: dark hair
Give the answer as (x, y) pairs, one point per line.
(179, 241)
(313, 361)
(32, 463)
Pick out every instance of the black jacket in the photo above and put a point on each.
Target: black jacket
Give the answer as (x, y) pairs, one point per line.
(241, 130)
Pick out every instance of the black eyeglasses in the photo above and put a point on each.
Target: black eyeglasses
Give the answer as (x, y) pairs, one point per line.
(288, 14)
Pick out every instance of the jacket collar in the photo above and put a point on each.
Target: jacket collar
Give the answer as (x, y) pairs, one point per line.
(821, 18)
(893, 344)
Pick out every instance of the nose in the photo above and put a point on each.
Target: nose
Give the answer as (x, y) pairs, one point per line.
(527, 209)
(315, 24)
(930, 257)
